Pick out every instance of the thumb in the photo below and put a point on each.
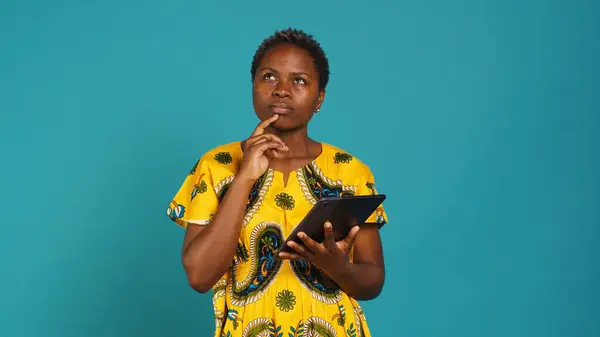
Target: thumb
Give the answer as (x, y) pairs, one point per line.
(349, 240)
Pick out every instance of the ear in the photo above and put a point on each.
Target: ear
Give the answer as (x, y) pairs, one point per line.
(320, 100)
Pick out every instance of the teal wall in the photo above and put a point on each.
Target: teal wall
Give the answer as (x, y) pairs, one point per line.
(486, 113)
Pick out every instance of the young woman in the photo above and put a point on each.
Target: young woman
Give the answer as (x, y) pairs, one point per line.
(241, 200)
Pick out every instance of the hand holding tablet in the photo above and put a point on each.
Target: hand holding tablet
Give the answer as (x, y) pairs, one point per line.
(343, 213)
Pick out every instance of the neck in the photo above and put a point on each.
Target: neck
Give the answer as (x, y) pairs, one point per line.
(299, 143)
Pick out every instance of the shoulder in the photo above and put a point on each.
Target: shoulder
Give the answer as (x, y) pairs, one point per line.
(344, 160)
(223, 154)
(347, 168)
(224, 157)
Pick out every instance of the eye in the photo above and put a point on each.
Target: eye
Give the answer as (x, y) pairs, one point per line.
(269, 76)
(299, 80)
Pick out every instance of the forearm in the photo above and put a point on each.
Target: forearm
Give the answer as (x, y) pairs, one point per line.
(210, 253)
(361, 281)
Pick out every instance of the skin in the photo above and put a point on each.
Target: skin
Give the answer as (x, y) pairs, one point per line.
(286, 95)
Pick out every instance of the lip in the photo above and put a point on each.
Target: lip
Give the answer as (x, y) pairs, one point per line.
(280, 108)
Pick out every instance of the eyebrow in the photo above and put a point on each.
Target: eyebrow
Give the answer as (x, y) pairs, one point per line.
(294, 73)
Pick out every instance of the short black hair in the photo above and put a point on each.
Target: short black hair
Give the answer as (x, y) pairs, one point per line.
(301, 39)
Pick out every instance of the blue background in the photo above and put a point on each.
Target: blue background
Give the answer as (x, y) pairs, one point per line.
(486, 113)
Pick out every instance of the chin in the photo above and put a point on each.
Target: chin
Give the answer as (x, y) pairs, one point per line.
(286, 127)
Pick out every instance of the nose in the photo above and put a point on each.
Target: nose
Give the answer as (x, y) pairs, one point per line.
(282, 90)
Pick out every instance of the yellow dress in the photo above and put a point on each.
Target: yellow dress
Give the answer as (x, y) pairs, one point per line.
(260, 295)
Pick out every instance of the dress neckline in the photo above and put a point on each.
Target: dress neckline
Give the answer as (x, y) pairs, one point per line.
(324, 148)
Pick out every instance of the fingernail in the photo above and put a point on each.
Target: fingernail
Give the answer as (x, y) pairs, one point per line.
(328, 225)
(290, 243)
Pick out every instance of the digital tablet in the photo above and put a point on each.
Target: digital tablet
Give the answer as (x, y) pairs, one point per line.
(343, 213)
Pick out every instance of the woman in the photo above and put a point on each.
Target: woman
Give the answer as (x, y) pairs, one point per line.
(241, 200)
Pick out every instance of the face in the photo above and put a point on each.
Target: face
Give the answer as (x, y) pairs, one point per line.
(287, 83)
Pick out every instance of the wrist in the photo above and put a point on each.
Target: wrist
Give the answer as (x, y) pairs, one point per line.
(243, 181)
(339, 271)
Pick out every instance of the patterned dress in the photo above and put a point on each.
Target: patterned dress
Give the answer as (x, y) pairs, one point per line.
(261, 295)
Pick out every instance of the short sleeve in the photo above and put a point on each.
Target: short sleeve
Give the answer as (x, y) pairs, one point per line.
(366, 186)
(196, 200)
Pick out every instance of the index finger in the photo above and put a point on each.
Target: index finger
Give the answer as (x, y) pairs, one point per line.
(262, 125)
(311, 244)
